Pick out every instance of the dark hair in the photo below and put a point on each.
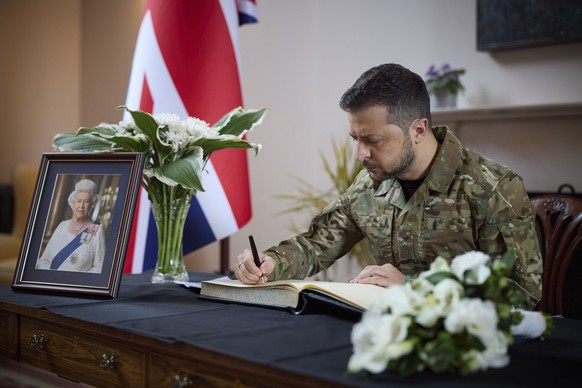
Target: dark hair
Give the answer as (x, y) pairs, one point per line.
(393, 86)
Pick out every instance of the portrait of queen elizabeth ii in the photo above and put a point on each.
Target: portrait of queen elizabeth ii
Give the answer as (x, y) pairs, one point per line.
(77, 244)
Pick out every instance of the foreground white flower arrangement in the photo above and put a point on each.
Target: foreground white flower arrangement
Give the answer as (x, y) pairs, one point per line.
(456, 318)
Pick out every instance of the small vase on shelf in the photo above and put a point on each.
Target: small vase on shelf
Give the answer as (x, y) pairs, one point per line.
(443, 98)
(443, 85)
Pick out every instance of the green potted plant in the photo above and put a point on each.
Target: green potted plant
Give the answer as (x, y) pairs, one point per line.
(443, 85)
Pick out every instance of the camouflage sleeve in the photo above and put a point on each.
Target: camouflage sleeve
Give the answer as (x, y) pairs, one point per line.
(510, 226)
(331, 235)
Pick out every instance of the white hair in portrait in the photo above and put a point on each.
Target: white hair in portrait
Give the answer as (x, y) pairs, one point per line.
(86, 185)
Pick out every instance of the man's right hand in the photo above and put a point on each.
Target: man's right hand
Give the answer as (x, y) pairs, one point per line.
(248, 273)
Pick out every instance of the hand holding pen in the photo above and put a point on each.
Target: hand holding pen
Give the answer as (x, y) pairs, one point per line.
(253, 267)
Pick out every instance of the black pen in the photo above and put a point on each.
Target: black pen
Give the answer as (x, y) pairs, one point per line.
(255, 252)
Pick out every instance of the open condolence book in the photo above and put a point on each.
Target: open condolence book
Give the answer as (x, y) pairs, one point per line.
(299, 296)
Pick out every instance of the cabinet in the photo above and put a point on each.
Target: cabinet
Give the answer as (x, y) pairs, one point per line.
(104, 356)
(167, 371)
(79, 356)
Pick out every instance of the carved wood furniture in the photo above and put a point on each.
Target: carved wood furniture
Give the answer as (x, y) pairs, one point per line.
(559, 227)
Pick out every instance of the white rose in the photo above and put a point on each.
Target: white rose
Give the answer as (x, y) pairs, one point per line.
(377, 340)
(421, 285)
(445, 294)
(478, 317)
(399, 299)
(532, 325)
(440, 264)
(495, 354)
(471, 267)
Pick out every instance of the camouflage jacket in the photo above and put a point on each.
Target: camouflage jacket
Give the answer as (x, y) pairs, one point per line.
(465, 203)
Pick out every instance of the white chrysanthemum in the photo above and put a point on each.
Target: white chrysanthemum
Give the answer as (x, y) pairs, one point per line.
(377, 339)
(471, 267)
(128, 127)
(199, 128)
(477, 316)
(169, 119)
(177, 133)
(445, 294)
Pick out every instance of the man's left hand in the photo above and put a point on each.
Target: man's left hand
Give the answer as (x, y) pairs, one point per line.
(380, 275)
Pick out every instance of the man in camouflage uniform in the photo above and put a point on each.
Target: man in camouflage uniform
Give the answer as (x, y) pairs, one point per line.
(421, 195)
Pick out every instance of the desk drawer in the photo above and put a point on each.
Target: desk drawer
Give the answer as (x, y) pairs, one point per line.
(79, 356)
(169, 371)
(8, 334)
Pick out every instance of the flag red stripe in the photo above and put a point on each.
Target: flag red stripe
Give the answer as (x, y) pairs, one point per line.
(231, 168)
(200, 57)
(146, 103)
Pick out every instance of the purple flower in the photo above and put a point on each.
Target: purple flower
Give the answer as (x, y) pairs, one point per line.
(432, 71)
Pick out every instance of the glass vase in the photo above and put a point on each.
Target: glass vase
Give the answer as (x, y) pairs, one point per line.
(170, 205)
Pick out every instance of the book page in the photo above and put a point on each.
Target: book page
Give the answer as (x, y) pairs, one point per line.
(359, 295)
(232, 290)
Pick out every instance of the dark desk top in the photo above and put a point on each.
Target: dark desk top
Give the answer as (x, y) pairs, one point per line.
(312, 344)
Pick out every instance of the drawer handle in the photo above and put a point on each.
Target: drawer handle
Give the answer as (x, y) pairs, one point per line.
(108, 361)
(38, 341)
(182, 380)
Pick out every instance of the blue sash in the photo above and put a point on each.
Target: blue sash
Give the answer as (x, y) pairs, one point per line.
(68, 249)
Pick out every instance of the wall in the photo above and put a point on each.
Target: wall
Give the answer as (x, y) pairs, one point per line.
(297, 61)
(40, 77)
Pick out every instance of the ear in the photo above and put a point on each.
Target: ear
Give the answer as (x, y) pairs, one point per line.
(418, 130)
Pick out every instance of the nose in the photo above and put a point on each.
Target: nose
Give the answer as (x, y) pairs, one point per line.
(362, 151)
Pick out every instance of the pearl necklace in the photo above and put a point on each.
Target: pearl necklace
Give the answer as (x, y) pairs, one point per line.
(79, 228)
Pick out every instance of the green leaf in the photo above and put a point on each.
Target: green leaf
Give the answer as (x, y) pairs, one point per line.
(110, 133)
(131, 144)
(438, 276)
(237, 122)
(211, 145)
(82, 143)
(102, 129)
(184, 172)
(144, 121)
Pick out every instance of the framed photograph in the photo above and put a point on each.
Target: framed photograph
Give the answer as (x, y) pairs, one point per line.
(79, 223)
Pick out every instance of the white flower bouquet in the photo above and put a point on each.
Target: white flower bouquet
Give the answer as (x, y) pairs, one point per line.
(452, 318)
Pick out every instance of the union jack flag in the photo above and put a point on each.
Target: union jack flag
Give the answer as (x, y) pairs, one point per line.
(186, 62)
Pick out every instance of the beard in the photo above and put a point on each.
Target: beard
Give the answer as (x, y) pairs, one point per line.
(403, 164)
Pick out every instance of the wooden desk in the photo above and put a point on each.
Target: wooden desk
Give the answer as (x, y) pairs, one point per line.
(98, 355)
(163, 335)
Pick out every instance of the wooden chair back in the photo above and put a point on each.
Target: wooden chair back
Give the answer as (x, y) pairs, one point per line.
(559, 229)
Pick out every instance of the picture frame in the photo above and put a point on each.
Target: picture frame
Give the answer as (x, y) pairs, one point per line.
(89, 198)
(516, 24)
